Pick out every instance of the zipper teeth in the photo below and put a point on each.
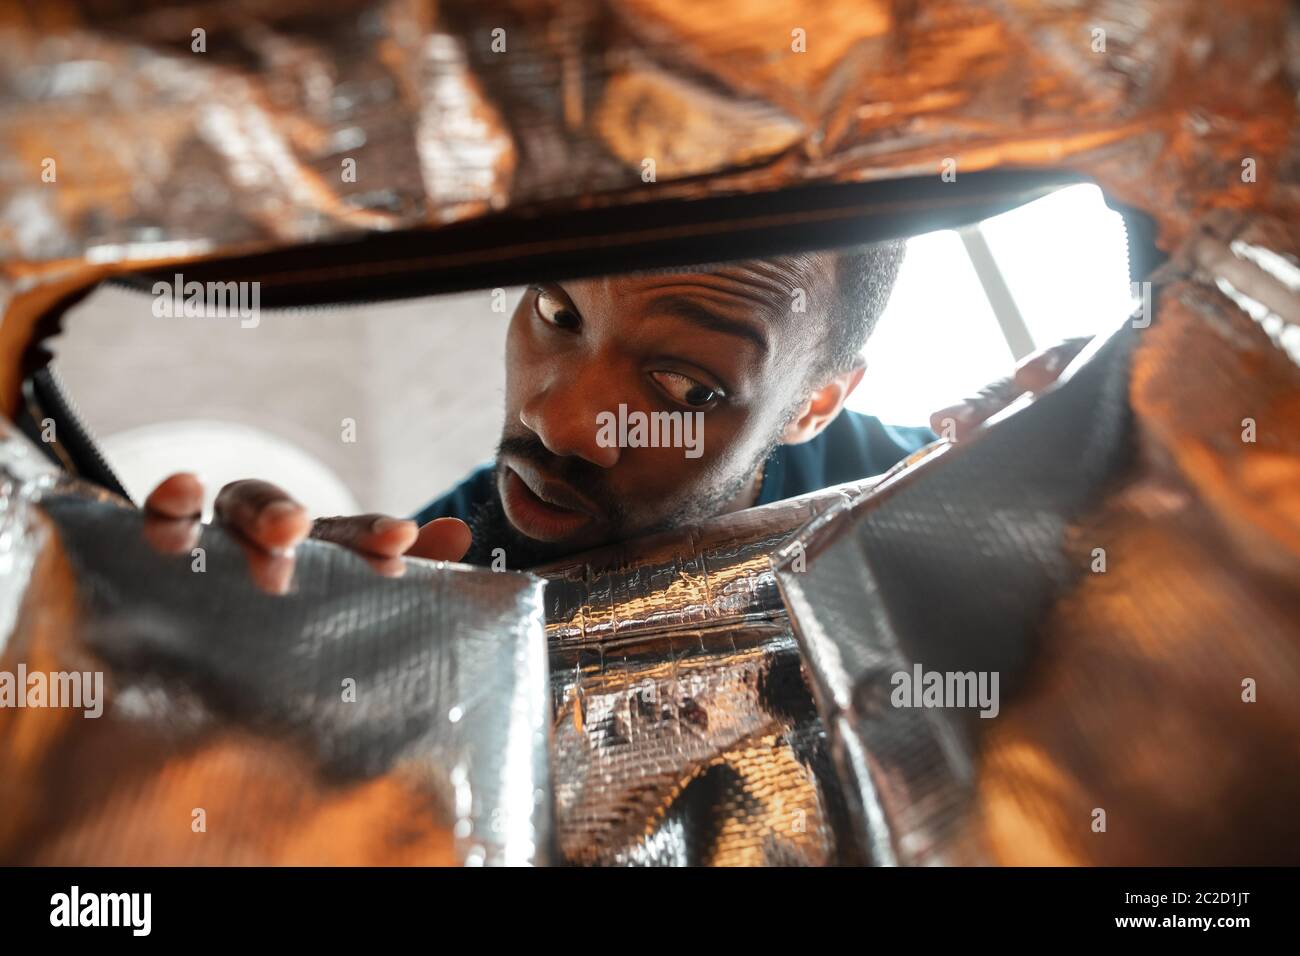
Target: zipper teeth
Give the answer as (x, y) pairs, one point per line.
(498, 249)
(72, 415)
(125, 284)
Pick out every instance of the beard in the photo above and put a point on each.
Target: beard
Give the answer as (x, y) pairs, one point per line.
(492, 530)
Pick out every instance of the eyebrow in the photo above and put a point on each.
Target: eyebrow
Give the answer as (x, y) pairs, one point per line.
(696, 312)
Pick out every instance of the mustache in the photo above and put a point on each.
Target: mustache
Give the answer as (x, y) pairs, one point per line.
(587, 478)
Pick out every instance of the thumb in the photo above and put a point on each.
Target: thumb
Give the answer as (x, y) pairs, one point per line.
(442, 539)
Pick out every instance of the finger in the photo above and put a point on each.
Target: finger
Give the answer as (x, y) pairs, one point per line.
(177, 496)
(1039, 370)
(376, 535)
(443, 539)
(952, 422)
(171, 535)
(271, 571)
(171, 514)
(263, 514)
(956, 422)
(1034, 373)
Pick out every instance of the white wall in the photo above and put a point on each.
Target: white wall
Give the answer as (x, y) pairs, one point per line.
(422, 379)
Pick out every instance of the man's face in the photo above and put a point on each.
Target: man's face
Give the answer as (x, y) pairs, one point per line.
(725, 343)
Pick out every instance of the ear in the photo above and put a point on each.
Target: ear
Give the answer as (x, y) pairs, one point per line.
(820, 408)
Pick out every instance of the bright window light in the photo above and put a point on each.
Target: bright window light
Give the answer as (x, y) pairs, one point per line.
(938, 339)
(1064, 259)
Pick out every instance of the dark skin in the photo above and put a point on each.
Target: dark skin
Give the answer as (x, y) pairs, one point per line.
(723, 342)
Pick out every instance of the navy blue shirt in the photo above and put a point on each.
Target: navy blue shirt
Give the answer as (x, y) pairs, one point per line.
(852, 446)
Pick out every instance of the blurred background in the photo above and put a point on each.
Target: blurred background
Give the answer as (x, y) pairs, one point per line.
(384, 407)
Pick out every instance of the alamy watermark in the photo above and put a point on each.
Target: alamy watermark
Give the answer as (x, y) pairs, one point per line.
(208, 300)
(639, 429)
(75, 908)
(921, 688)
(81, 690)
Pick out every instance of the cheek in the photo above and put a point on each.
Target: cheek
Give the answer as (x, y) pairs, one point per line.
(660, 478)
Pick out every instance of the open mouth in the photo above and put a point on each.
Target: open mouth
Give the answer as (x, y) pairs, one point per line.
(541, 508)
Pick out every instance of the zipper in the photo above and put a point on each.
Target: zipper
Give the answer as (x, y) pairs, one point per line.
(519, 247)
(72, 445)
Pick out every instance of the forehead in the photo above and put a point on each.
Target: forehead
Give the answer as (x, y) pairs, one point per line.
(764, 287)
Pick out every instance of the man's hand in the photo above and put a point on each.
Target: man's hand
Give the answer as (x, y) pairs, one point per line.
(270, 524)
(1034, 373)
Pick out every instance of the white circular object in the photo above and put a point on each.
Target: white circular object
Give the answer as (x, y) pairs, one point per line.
(220, 452)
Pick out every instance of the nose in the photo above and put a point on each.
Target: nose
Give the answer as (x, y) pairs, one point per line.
(564, 420)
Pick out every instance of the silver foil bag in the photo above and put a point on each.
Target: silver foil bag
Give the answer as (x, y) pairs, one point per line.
(684, 732)
(355, 719)
(945, 569)
(1123, 556)
(459, 109)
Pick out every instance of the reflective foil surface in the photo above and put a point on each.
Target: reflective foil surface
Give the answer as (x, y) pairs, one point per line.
(683, 718)
(683, 729)
(189, 129)
(1123, 554)
(356, 719)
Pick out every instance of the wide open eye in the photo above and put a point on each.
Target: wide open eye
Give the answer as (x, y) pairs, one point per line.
(686, 391)
(554, 310)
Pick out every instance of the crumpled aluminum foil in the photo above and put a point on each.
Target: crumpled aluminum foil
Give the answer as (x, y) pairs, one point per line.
(947, 566)
(683, 729)
(356, 719)
(710, 575)
(166, 144)
(165, 156)
(1125, 554)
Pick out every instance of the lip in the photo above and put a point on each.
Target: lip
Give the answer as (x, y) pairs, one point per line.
(541, 508)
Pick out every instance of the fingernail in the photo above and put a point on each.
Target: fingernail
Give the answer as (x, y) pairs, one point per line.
(382, 524)
(276, 512)
(958, 413)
